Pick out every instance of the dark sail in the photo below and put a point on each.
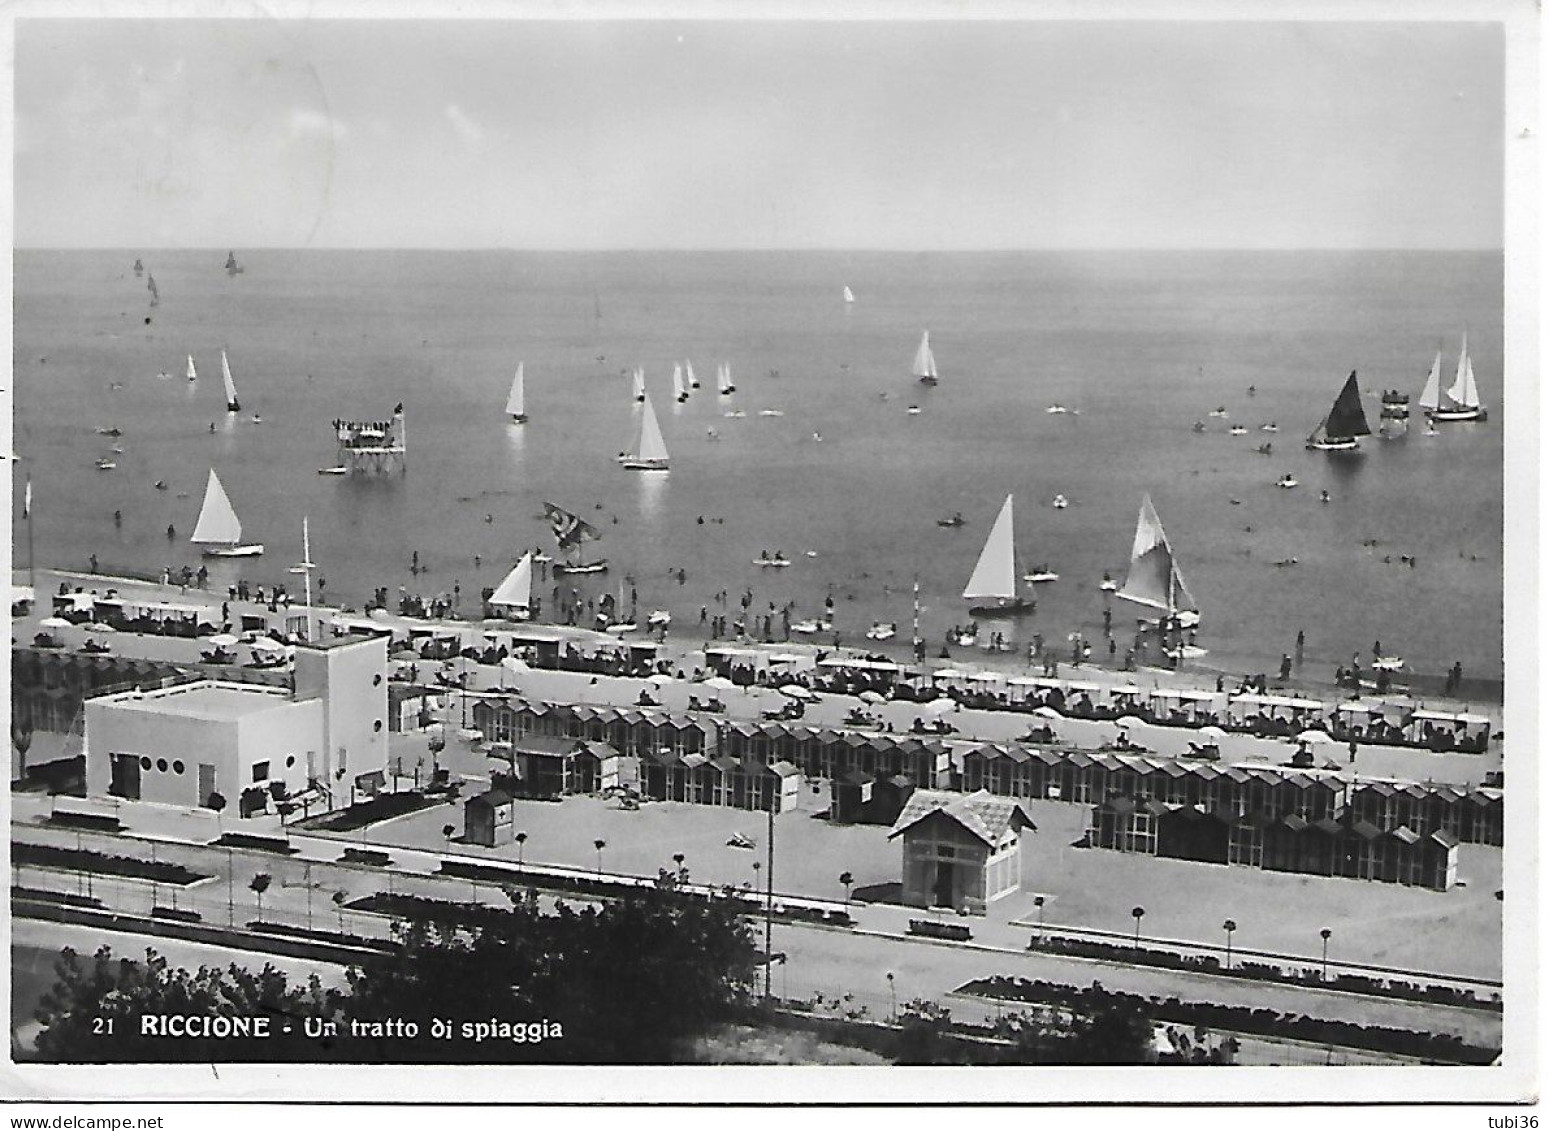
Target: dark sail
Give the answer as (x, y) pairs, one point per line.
(1347, 419)
(569, 530)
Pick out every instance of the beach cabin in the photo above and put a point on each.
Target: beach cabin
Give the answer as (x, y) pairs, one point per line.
(490, 818)
(960, 851)
(1443, 730)
(1183, 706)
(1275, 716)
(1370, 721)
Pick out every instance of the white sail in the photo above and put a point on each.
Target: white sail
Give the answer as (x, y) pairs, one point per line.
(232, 404)
(1458, 387)
(192, 375)
(516, 403)
(924, 360)
(516, 589)
(995, 574)
(1470, 390)
(678, 390)
(849, 295)
(1154, 579)
(218, 524)
(639, 383)
(723, 377)
(651, 446)
(693, 382)
(1430, 396)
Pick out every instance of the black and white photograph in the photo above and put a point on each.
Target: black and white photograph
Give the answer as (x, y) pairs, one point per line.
(979, 536)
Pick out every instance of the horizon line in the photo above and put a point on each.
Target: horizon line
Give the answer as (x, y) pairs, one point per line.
(1499, 249)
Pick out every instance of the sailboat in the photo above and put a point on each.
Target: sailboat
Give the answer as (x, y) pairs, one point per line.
(571, 533)
(650, 452)
(925, 361)
(637, 379)
(219, 530)
(150, 285)
(513, 596)
(679, 390)
(192, 373)
(232, 405)
(723, 383)
(849, 295)
(693, 382)
(995, 575)
(1345, 423)
(232, 266)
(1154, 578)
(516, 402)
(1461, 401)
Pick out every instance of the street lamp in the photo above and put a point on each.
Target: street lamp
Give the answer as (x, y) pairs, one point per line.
(1229, 926)
(1139, 913)
(892, 991)
(1324, 935)
(1038, 903)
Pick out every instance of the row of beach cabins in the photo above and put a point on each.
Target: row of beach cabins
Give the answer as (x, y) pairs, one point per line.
(1255, 815)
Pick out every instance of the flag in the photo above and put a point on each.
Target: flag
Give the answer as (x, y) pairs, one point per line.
(27, 500)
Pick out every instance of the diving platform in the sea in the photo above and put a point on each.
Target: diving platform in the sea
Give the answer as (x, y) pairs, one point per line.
(373, 446)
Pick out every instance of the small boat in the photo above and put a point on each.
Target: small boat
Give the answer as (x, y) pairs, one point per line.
(232, 266)
(1154, 579)
(598, 566)
(734, 414)
(1108, 584)
(1342, 428)
(139, 269)
(994, 578)
(817, 437)
(1199, 426)
(913, 410)
(218, 531)
(661, 618)
(1388, 664)
(193, 374)
(849, 295)
(232, 404)
(1461, 400)
(118, 449)
(679, 389)
(882, 630)
(723, 382)
(1286, 481)
(161, 484)
(688, 371)
(1237, 430)
(1040, 575)
(925, 362)
(770, 412)
(516, 400)
(541, 558)
(1219, 411)
(1270, 427)
(114, 431)
(1060, 502)
(1056, 410)
(777, 562)
(105, 465)
(256, 419)
(333, 471)
(956, 520)
(1323, 496)
(809, 627)
(571, 532)
(650, 452)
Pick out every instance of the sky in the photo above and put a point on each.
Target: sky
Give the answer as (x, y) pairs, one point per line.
(645, 134)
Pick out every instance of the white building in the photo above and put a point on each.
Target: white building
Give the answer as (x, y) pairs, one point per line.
(182, 745)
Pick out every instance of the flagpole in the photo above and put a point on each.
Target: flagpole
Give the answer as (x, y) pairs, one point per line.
(32, 560)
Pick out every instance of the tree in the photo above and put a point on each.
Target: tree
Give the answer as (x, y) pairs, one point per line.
(521, 846)
(217, 802)
(678, 858)
(846, 879)
(448, 831)
(260, 884)
(339, 898)
(1229, 926)
(599, 845)
(1139, 913)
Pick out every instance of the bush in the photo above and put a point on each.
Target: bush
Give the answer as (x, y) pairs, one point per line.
(930, 928)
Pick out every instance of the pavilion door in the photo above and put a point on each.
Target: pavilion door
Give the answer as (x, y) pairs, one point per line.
(126, 777)
(207, 781)
(944, 874)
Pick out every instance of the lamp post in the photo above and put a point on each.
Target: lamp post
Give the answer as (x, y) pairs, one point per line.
(1038, 903)
(1139, 913)
(892, 991)
(1229, 926)
(1324, 935)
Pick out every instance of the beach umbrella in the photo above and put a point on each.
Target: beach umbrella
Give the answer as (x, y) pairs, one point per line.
(796, 691)
(1127, 721)
(661, 679)
(104, 627)
(1047, 712)
(224, 640)
(53, 622)
(267, 644)
(1211, 732)
(940, 706)
(719, 683)
(1313, 736)
(872, 697)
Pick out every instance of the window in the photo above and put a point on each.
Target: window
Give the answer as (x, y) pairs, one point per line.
(377, 726)
(376, 680)
(145, 763)
(177, 767)
(260, 771)
(161, 765)
(290, 760)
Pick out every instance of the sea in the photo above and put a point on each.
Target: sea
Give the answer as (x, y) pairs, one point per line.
(846, 483)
